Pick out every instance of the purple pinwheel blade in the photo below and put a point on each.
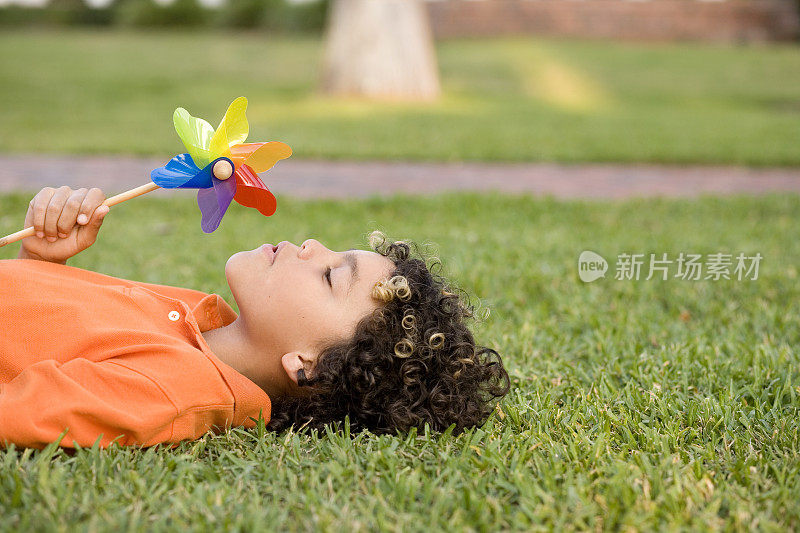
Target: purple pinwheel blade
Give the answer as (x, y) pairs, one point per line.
(214, 202)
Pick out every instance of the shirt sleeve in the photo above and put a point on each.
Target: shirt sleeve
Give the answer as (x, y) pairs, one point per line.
(90, 400)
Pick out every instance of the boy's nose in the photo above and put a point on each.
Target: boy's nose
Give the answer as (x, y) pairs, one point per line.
(309, 247)
(312, 248)
(311, 243)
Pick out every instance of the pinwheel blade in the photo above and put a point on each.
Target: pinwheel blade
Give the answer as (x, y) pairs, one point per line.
(251, 191)
(214, 202)
(233, 128)
(180, 172)
(196, 135)
(241, 152)
(259, 156)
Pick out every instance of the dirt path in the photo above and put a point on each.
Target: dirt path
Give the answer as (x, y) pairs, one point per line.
(341, 179)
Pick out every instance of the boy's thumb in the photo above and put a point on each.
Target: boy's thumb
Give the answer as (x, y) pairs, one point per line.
(99, 215)
(88, 233)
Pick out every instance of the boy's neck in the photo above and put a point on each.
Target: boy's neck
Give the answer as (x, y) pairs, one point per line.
(231, 345)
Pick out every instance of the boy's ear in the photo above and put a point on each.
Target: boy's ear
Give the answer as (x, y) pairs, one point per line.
(294, 361)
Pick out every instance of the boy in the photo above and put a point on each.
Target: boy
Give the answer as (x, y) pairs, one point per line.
(320, 335)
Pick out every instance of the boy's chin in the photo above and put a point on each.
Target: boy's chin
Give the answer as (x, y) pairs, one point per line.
(232, 265)
(239, 268)
(244, 268)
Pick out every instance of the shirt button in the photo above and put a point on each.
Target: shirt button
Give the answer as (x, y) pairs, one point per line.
(174, 315)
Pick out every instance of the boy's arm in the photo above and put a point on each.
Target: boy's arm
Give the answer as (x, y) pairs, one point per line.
(88, 398)
(25, 255)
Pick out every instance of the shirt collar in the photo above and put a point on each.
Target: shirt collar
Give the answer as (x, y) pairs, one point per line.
(213, 312)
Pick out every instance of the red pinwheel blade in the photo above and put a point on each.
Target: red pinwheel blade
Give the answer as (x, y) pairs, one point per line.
(251, 191)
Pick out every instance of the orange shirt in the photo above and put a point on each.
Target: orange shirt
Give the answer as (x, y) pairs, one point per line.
(106, 357)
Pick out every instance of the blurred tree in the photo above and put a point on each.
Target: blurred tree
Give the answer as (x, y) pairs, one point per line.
(148, 13)
(246, 13)
(380, 49)
(75, 12)
(272, 15)
(307, 16)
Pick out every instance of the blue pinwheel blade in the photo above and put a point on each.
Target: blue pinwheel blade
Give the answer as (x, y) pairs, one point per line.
(180, 172)
(214, 202)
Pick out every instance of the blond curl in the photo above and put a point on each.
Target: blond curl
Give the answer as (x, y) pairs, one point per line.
(436, 341)
(386, 290)
(408, 322)
(404, 348)
(377, 239)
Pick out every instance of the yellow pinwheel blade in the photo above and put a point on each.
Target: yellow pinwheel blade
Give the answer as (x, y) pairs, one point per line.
(233, 128)
(260, 158)
(196, 135)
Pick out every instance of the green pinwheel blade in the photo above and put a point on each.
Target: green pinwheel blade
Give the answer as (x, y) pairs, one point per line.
(233, 128)
(196, 135)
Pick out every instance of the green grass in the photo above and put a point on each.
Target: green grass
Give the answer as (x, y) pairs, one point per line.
(635, 405)
(504, 99)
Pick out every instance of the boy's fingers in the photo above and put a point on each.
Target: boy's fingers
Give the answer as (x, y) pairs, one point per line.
(40, 203)
(94, 199)
(70, 212)
(53, 212)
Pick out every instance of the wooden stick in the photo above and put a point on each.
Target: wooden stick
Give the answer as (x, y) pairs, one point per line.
(114, 200)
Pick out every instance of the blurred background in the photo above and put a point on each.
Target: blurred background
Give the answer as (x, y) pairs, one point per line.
(590, 98)
(656, 81)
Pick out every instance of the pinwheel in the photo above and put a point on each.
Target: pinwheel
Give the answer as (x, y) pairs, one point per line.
(211, 159)
(218, 163)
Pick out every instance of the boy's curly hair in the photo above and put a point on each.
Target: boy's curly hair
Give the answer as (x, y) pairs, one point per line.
(411, 361)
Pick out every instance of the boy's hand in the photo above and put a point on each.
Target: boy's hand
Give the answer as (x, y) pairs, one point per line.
(66, 223)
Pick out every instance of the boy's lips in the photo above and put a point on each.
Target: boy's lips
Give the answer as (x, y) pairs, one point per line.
(270, 251)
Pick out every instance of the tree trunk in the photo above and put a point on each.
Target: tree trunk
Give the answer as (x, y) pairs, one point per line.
(380, 49)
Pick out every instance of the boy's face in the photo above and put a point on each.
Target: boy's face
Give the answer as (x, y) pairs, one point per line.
(286, 301)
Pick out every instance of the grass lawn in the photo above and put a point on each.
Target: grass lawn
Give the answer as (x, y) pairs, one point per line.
(635, 404)
(504, 99)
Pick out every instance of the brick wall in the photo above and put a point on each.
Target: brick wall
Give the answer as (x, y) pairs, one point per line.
(720, 20)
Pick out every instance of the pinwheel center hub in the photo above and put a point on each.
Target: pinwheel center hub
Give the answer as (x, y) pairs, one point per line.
(222, 169)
